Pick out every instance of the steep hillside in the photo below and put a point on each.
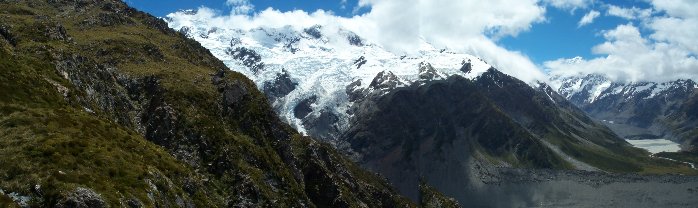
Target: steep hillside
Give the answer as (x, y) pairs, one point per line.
(455, 132)
(437, 131)
(547, 115)
(105, 106)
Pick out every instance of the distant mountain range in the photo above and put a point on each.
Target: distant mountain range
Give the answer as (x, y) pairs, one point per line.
(637, 110)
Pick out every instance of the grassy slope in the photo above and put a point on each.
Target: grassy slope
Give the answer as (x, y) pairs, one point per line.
(46, 141)
(57, 141)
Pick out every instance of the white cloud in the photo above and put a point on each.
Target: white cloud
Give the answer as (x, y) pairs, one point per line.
(240, 6)
(588, 18)
(662, 47)
(628, 13)
(630, 57)
(677, 8)
(569, 4)
(679, 27)
(343, 4)
(679, 32)
(468, 26)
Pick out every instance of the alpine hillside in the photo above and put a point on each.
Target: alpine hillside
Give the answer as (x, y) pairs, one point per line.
(102, 105)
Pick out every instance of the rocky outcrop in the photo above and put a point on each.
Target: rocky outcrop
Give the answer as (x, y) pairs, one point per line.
(360, 62)
(427, 72)
(82, 198)
(385, 80)
(7, 36)
(467, 67)
(314, 31)
(249, 58)
(355, 40)
(280, 87)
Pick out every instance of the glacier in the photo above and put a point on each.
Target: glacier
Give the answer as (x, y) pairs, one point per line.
(321, 62)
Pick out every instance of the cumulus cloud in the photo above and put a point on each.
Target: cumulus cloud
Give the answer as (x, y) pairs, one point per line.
(628, 13)
(588, 18)
(678, 8)
(679, 27)
(662, 47)
(467, 26)
(444, 22)
(569, 4)
(240, 6)
(629, 57)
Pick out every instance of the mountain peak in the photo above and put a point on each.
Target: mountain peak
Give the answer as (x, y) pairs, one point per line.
(323, 61)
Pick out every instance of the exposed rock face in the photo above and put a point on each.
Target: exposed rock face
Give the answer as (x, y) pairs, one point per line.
(248, 57)
(355, 40)
(467, 67)
(280, 87)
(314, 31)
(427, 72)
(385, 80)
(7, 36)
(82, 198)
(360, 62)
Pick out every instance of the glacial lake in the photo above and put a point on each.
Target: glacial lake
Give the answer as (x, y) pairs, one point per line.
(656, 145)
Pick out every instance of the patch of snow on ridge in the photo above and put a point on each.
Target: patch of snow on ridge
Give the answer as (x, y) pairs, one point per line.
(598, 89)
(594, 87)
(322, 61)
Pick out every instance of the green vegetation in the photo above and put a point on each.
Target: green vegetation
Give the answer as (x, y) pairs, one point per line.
(61, 149)
(103, 97)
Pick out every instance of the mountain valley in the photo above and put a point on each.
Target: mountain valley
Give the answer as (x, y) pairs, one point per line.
(103, 105)
(446, 118)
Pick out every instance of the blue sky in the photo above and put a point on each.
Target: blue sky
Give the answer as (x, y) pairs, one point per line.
(560, 37)
(547, 39)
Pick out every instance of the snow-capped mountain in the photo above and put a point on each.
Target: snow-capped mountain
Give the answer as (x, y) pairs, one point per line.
(634, 110)
(306, 72)
(435, 113)
(591, 88)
